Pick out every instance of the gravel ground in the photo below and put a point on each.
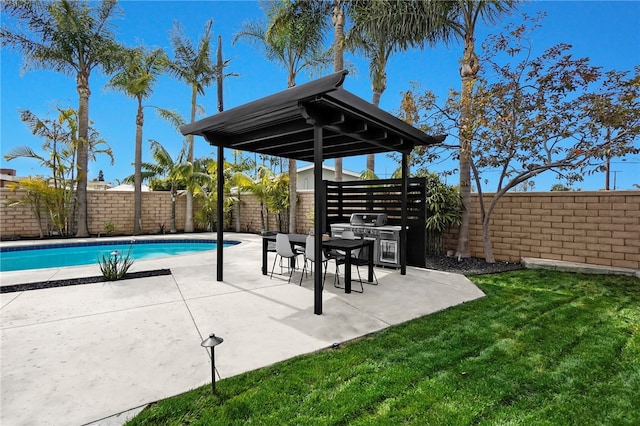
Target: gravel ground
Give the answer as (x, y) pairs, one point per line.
(469, 266)
(78, 281)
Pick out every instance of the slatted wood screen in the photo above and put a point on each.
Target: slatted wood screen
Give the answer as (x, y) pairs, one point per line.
(381, 196)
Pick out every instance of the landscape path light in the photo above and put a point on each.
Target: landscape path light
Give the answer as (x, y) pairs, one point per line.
(212, 342)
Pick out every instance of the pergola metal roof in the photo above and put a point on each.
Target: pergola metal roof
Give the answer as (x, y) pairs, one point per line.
(311, 122)
(282, 124)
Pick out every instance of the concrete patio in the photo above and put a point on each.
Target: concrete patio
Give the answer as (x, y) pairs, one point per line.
(81, 354)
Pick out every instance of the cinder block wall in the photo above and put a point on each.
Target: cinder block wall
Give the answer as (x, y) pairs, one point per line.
(600, 228)
(118, 207)
(17, 219)
(248, 214)
(306, 212)
(103, 206)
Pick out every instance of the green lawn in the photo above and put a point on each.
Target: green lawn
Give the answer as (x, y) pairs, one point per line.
(542, 348)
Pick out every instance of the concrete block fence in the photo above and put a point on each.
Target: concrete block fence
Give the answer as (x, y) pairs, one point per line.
(600, 228)
(103, 207)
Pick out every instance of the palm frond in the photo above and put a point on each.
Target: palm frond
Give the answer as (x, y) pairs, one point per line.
(172, 117)
(22, 152)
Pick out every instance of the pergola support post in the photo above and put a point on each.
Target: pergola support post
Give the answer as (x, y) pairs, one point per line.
(220, 212)
(318, 206)
(403, 219)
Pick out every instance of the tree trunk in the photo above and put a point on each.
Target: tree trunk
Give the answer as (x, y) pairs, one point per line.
(219, 78)
(376, 97)
(173, 229)
(338, 36)
(137, 174)
(468, 72)
(371, 158)
(486, 241)
(371, 162)
(82, 85)
(434, 242)
(188, 220)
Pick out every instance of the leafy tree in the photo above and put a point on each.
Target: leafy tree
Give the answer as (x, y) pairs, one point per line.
(293, 38)
(136, 77)
(461, 24)
(194, 66)
(74, 38)
(536, 114)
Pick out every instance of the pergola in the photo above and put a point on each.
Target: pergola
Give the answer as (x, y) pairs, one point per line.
(312, 122)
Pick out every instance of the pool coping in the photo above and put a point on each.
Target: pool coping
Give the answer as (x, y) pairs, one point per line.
(69, 272)
(120, 238)
(102, 243)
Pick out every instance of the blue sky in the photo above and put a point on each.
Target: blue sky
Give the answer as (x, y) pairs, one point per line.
(607, 32)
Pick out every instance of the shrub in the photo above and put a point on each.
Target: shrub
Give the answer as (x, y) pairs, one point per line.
(444, 211)
(114, 266)
(109, 228)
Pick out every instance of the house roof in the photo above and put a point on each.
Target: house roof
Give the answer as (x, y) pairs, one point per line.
(283, 124)
(127, 187)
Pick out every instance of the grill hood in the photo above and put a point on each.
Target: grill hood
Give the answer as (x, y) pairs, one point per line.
(368, 219)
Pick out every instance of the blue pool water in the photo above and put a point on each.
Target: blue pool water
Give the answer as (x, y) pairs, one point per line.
(58, 255)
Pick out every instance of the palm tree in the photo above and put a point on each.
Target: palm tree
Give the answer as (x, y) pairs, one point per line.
(461, 23)
(271, 190)
(165, 166)
(195, 67)
(136, 78)
(294, 39)
(74, 38)
(207, 193)
(178, 173)
(338, 21)
(60, 145)
(376, 43)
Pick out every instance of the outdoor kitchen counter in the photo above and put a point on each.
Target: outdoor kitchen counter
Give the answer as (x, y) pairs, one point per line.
(331, 244)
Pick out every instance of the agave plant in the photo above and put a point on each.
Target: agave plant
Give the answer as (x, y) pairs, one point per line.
(114, 266)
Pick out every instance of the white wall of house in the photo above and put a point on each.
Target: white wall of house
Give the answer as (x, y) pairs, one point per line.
(306, 179)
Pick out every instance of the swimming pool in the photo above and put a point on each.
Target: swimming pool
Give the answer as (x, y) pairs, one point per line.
(75, 254)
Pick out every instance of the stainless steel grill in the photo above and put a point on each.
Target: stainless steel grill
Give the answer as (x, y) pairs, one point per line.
(373, 226)
(368, 219)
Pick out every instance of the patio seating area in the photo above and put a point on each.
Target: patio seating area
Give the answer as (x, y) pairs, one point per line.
(75, 355)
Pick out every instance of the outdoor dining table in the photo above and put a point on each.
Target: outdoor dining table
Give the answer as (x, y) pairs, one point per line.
(345, 245)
